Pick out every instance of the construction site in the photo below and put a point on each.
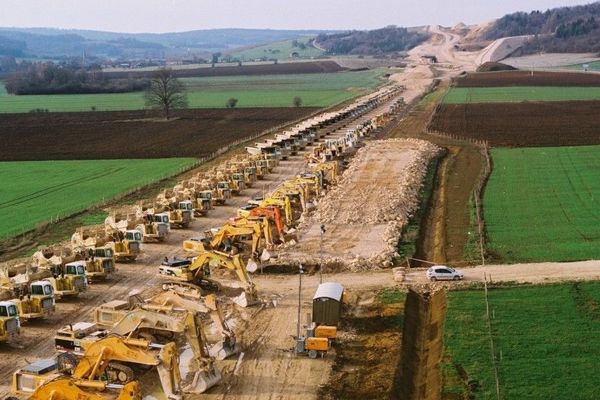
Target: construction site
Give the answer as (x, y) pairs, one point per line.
(271, 272)
(198, 287)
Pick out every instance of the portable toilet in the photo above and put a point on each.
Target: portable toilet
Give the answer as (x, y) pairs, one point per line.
(327, 304)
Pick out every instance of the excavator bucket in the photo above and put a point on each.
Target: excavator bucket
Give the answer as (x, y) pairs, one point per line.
(204, 380)
(251, 265)
(246, 299)
(223, 350)
(168, 371)
(265, 256)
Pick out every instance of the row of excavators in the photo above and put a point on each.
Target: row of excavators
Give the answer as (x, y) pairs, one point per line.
(176, 334)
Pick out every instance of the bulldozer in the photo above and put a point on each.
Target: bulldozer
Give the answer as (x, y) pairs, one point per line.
(154, 227)
(187, 280)
(10, 324)
(106, 364)
(112, 242)
(37, 303)
(202, 203)
(69, 280)
(125, 243)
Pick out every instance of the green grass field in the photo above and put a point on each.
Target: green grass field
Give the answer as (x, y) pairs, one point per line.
(549, 337)
(316, 90)
(543, 204)
(33, 192)
(514, 94)
(277, 50)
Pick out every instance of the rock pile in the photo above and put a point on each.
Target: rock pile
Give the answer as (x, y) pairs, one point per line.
(377, 203)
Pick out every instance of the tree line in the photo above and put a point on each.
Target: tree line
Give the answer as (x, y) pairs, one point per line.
(373, 42)
(565, 29)
(50, 78)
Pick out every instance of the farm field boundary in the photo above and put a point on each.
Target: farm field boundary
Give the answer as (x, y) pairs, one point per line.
(541, 204)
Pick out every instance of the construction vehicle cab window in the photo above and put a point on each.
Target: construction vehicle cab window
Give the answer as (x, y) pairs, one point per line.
(8, 310)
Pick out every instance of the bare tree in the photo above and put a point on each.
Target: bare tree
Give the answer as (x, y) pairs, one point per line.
(166, 92)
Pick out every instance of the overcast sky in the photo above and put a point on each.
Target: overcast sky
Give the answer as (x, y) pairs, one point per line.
(184, 15)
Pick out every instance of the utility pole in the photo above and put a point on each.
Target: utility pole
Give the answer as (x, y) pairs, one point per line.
(321, 256)
(300, 272)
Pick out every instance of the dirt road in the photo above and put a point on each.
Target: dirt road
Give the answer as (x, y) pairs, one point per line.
(523, 273)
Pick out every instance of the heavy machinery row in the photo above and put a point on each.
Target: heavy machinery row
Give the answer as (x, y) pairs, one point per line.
(165, 333)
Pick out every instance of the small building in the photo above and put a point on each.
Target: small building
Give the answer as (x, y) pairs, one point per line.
(327, 304)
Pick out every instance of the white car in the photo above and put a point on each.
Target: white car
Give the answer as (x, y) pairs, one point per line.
(442, 272)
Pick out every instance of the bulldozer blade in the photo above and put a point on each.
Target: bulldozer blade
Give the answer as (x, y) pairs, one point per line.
(222, 351)
(204, 380)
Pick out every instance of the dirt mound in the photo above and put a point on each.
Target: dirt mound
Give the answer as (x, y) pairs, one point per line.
(313, 67)
(522, 124)
(525, 78)
(133, 134)
(494, 67)
(365, 213)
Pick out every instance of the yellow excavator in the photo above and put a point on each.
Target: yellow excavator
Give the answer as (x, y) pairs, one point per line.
(207, 305)
(107, 364)
(154, 324)
(284, 204)
(330, 171)
(250, 237)
(187, 279)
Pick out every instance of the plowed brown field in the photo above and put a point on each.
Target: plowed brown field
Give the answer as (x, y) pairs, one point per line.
(260, 69)
(525, 78)
(132, 134)
(522, 124)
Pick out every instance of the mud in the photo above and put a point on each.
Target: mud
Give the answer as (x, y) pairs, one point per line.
(422, 346)
(367, 351)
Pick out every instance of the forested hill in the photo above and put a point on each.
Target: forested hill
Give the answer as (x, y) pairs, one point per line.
(377, 41)
(559, 30)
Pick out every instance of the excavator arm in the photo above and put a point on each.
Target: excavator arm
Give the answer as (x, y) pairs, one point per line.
(112, 348)
(206, 374)
(284, 204)
(65, 388)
